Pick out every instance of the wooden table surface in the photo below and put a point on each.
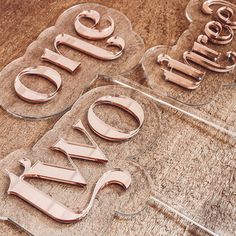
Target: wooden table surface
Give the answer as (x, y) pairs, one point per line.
(156, 21)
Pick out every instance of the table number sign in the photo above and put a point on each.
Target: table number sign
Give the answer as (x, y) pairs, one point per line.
(156, 168)
(199, 70)
(122, 133)
(96, 138)
(65, 58)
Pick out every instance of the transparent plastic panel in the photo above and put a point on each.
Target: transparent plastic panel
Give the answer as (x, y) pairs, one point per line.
(215, 95)
(180, 167)
(74, 83)
(119, 154)
(195, 151)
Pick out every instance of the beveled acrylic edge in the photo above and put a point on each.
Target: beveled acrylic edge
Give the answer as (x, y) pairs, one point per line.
(160, 98)
(42, 34)
(152, 195)
(172, 47)
(186, 11)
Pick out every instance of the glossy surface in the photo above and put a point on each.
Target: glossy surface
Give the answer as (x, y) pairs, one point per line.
(191, 83)
(90, 49)
(206, 6)
(32, 96)
(79, 150)
(60, 61)
(209, 64)
(213, 30)
(52, 172)
(55, 209)
(111, 133)
(180, 140)
(225, 15)
(96, 57)
(93, 33)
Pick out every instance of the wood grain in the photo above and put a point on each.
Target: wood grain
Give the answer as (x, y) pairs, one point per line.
(186, 165)
(73, 84)
(21, 22)
(158, 22)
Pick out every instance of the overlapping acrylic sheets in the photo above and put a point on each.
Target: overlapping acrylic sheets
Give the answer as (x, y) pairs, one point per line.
(190, 174)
